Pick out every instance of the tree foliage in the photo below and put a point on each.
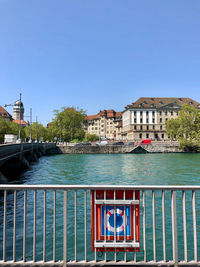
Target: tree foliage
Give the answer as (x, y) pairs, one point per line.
(91, 137)
(39, 132)
(8, 127)
(186, 128)
(68, 124)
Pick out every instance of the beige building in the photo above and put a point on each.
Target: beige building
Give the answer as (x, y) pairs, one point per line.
(146, 118)
(106, 124)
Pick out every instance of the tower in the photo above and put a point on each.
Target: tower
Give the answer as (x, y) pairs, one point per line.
(18, 110)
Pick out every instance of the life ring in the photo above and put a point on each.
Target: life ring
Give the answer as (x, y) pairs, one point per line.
(119, 228)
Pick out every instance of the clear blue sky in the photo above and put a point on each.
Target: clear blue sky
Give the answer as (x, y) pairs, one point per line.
(97, 54)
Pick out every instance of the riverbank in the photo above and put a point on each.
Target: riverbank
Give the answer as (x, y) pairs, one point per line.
(155, 147)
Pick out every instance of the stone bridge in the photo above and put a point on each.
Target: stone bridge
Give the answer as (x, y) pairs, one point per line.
(16, 157)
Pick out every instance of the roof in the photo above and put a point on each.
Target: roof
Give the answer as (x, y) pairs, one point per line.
(22, 122)
(4, 113)
(92, 117)
(156, 102)
(110, 113)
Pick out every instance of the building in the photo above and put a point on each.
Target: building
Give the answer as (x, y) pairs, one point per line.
(18, 113)
(106, 124)
(146, 118)
(4, 114)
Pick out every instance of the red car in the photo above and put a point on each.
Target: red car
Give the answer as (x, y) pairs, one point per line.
(145, 142)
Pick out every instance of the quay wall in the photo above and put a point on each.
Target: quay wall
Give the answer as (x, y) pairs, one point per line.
(121, 149)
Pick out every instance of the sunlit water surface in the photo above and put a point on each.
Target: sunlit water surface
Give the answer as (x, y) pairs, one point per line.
(125, 169)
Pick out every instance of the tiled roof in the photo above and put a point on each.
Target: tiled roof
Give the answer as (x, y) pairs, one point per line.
(107, 113)
(4, 113)
(22, 122)
(156, 102)
(92, 117)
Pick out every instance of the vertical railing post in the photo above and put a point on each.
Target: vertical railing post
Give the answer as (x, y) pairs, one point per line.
(14, 226)
(194, 224)
(174, 228)
(144, 226)
(4, 225)
(65, 230)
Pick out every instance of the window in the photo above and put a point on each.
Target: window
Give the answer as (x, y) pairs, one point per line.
(153, 113)
(172, 113)
(160, 113)
(166, 119)
(147, 120)
(147, 113)
(134, 120)
(147, 135)
(102, 130)
(153, 120)
(140, 113)
(140, 105)
(165, 112)
(140, 120)
(134, 113)
(147, 127)
(153, 127)
(160, 119)
(135, 127)
(160, 127)
(163, 136)
(140, 135)
(95, 128)
(141, 127)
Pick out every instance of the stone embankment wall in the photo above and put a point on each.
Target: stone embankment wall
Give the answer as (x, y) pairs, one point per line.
(157, 147)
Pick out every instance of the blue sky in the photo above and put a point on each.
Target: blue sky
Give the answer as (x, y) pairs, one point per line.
(97, 54)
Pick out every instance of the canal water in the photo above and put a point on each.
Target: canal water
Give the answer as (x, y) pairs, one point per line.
(119, 169)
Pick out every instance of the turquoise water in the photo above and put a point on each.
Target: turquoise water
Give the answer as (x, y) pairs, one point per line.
(125, 169)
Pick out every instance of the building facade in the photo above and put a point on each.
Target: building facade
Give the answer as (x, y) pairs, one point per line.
(4, 114)
(146, 118)
(106, 124)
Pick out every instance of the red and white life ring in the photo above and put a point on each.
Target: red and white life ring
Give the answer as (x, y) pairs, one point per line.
(109, 226)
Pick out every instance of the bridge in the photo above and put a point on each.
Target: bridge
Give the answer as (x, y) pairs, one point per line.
(18, 156)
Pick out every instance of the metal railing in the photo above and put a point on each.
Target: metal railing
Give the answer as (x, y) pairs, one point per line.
(52, 224)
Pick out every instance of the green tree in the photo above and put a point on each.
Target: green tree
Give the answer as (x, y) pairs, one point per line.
(39, 132)
(8, 127)
(91, 137)
(69, 124)
(186, 128)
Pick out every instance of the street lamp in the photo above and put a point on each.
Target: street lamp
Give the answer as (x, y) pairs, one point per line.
(8, 105)
(30, 116)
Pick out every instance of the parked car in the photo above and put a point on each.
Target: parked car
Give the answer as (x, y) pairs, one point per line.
(102, 143)
(119, 144)
(145, 142)
(131, 144)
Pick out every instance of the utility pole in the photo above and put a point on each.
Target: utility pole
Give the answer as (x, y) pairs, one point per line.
(30, 125)
(36, 129)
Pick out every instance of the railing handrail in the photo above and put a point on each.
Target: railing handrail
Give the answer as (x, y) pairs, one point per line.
(103, 187)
